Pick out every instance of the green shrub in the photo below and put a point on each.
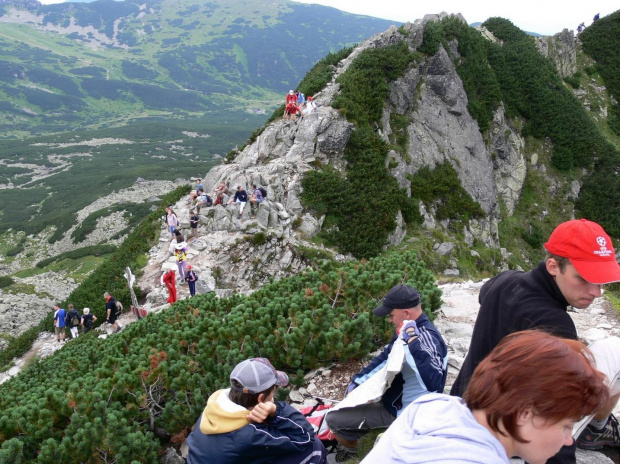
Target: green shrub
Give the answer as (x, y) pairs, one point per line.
(441, 187)
(361, 205)
(5, 281)
(573, 81)
(602, 41)
(259, 238)
(533, 236)
(98, 398)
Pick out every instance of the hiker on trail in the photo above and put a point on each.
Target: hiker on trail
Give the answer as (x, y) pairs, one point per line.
(59, 323)
(193, 223)
(191, 278)
(290, 97)
(290, 111)
(301, 98)
(241, 198)
(171, 220)
(193, 195)
(422, 369)
(580, 258)
(522, 401)
(219, 193)
(169, 280)
(309, 107)
(255, 200)
(180, 254)
(73, 320)
(580, 28)
(596, 17)
(112, 312)
(203, 200)
(245, 424)
(88, 320)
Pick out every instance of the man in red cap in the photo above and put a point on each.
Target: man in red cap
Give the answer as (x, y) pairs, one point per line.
(580, 259)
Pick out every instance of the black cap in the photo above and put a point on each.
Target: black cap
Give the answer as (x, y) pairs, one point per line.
(399, 297)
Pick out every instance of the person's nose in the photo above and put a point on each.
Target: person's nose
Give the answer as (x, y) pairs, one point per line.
(595, 290)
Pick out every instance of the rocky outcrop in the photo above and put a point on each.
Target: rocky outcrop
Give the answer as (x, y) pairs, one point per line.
(560, 48)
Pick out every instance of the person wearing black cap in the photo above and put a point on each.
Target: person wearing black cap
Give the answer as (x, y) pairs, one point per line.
(424, 370)
(244, 424)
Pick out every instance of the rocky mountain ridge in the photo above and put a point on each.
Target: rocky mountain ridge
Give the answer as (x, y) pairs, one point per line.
(239, 254)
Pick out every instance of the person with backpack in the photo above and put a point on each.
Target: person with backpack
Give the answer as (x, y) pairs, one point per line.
(244, 423)
(88, 320)
(180, 254)
(203, 200)
(172, 220)
(301, 98)
(256, 199)
(59, 322)
(113, 310)
(73, 320)
(191, 278)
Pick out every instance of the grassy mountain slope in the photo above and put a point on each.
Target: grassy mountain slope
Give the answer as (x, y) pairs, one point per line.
(107, 63)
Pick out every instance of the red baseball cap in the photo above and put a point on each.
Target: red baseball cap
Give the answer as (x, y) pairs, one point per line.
(588, 248)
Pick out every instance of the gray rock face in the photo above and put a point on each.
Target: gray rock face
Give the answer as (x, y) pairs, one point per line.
(560, 48)
(507, 151)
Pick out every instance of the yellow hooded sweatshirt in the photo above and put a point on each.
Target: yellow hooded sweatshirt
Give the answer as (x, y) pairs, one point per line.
(221, 415)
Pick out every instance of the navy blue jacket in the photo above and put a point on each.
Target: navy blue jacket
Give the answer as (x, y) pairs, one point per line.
(286, 433)
(429, 354)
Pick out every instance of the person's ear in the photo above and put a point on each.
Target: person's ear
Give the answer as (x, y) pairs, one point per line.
(552, 266)
(261, 398)
(525, 416)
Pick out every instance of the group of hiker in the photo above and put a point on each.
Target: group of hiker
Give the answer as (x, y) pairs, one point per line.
(73, 320)
(296, 103)
(527, 388)
(582, 26)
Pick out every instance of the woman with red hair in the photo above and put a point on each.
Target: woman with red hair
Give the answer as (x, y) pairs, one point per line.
(522, 401)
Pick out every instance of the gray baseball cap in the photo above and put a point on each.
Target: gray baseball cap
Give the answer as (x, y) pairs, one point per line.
(256, 375)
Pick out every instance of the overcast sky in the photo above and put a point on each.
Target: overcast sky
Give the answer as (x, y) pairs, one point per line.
(542, 16)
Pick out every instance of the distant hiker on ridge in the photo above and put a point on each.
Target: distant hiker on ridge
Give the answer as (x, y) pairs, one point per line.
(59, 323)
(73, 320)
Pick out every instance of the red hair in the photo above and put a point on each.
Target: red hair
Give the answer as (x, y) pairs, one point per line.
(554, 377)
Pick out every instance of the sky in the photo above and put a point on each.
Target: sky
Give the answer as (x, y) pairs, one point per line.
(541, 16)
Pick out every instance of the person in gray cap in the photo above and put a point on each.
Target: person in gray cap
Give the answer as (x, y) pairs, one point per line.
(244, 424)
(424, 371)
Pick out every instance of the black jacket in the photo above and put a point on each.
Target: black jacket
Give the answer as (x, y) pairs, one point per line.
(510, 302)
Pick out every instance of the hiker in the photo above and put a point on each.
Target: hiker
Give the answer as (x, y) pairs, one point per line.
(169, 280)
(59, 323)
(219, 193)
(580, 258)
(171, 220)
(522, 401)
(424, 370)
(88, 320)
(255, 199)
(580, 28)
(309, 107)
(290, 111)
(596, 17)
(301, 98)
(191, 278)
(245, 424)
(193, 195)
(180, 254)
(290, 97)
(203, 200)
(73, 320)
(112, 312)
(241, 198)
(193, 223)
